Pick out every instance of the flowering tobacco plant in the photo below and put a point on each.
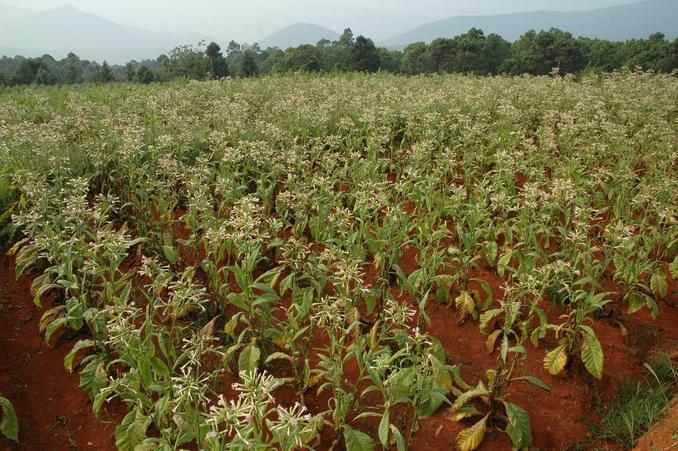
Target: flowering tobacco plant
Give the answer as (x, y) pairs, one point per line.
(289, 234)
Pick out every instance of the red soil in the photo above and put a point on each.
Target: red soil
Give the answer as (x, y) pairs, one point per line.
(54, 413)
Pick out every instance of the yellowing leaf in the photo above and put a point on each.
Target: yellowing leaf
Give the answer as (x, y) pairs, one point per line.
(555, 360)
(445, 381)
(464, 412)
(471, 438)
(313, 380)
(281, 341)
(492, 341)
(658, 284)
(466, 306)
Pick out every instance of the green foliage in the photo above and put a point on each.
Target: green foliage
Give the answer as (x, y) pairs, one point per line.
(638, 405)
(309, 226)
(473, 52)
(357, 441)
(9, 425)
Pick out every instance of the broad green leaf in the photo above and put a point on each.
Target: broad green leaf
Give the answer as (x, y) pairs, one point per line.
(357, 440)
(384, 428)
(170, 253)
(431, 399)
(518, 427)
(132, 431)
(93, 377)
(398, 439)
(636, 302)
(9, 425)
(592, 354)
(249, 358)
(471, 438)
(555, 360)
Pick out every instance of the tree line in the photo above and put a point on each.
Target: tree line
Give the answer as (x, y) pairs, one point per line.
(536, 53)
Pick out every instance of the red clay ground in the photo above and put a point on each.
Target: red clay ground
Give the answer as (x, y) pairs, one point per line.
(54, 413)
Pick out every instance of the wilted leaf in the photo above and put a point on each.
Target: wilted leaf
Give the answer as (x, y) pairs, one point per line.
(68, 360)
(555, 360)
(466, 306)
(659, 285)
(471, 438)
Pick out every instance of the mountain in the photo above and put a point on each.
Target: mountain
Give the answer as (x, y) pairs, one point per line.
(377, 23)
(66, 29)
(617, 23)
(298, 34)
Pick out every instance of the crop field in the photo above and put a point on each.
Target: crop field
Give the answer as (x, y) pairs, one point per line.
(347, 262)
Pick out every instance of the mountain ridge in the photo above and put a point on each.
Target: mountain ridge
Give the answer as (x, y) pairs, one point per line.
(67, 29)
(615, 23)
(298, 34)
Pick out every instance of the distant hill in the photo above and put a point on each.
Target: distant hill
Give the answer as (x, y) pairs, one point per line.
(618, 23)
(298, 34)
(67, 29)
(377, 23)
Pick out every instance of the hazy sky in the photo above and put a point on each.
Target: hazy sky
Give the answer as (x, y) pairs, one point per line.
(254, 19)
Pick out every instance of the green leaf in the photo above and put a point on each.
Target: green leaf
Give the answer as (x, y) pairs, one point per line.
(471, 438)
(592, 354)
(132, 431)
(398, 438)
(637, 301)
(170, 253)
(491, 251)
(82, 344)
(518, 427)
(384, 427)
(534, 381)
(93, 377)
(370, 302)
(9, 426)
(357, 441)
(249, 358)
